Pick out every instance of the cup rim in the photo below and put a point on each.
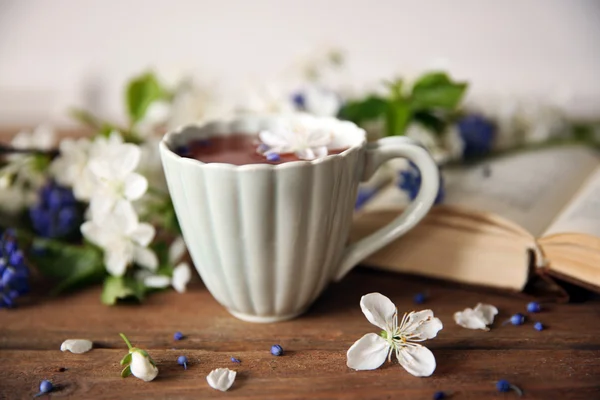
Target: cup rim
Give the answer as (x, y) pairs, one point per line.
(168, 152)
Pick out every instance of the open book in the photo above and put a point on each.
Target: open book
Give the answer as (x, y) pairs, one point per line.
(495, 215)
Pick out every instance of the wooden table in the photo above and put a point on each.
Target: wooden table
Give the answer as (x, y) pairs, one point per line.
(562, 362)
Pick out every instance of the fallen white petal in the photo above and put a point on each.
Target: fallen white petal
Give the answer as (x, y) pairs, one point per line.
(487, 311)
(477, 318)
(378, 309)
(76, 346)
(417, 360)
(221, 378)
(157, 281)
(368, 352)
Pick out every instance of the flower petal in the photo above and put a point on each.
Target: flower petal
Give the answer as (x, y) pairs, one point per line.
(487, 311)
(157, 281)
(177, 250)
(124, 218)
(416, 359)
(274, 139)
(142, 368)
(221, 378)
(145, 257)
(421, 325)
(117, 256)
(181, 276)
(368, 352)
(76, 346)
(378, 309)
(134, 186)
(470, 319)
(143, 234)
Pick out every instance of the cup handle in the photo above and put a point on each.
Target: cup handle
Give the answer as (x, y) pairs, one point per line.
(376, 154)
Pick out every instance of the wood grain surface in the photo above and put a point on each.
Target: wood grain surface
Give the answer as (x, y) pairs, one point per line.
(561, 362)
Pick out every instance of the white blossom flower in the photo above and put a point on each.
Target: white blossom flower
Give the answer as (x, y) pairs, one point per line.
(541, 122)
(371, 351)
(42, 138)
(305, 142)
(76, 346)
(142, 367)
(138, 362)
(321, 102)
(70, 167)
(221, 379)
(122, 237)
(477, 318)
(113, 164)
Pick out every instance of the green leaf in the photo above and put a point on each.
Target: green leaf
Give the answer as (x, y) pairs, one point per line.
(430, 121)
(86, 118)
(126, 359)
(397, 117)
(121, 288)
(126, 371)
(437, 90)
(141, 92)
(359, 111)
(72, 266)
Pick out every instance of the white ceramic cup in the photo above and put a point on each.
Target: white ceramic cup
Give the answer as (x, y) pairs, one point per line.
(267, 239)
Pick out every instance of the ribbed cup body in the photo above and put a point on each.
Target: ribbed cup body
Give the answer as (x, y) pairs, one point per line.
(266, 239)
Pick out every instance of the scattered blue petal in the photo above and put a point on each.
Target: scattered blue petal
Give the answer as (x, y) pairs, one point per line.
(276, 350)
(439, 395)
(517, 319)
(538, 326)
(235, 360)
(45, 387)
(419, 298)
(182, 360)
(477, 133)
(177, 336)
(534, 307)
(503, 386)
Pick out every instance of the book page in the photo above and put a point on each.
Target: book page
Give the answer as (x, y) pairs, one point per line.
(528, 188)
(582, 214)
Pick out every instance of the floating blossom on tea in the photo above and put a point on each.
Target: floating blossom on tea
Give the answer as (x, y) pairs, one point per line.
(221, 379)
(138, 362)
(371, 351)
(477, 318)
(305, 143)
(122, 237)
(77, 346)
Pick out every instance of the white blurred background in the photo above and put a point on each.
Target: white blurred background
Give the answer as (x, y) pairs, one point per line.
(62, 53)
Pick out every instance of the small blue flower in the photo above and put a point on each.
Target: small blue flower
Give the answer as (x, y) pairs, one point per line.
(534, 307)
(45, 387)
(14, 275)
(56, 214)
(410, 182)
(419, 298)
(517, 319)
(276, 350)
(235, 360)
(177, 336)
(273, 157)
(538, 326)
(477, 133)
(182, 360)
